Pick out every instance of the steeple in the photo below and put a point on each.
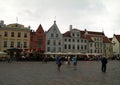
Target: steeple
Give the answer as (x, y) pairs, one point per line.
(54, 21)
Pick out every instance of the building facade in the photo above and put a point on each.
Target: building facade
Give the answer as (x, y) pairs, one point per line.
(74, 42)
(116, 45)
(54, 39)
(37, 40)
(14, 36)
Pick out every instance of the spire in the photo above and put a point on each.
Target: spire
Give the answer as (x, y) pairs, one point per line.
(54, 21)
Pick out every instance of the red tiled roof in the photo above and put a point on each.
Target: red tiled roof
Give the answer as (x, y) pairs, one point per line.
(67, 34)
(96, 33)
(106, 40)
(110, 39)
(117, 37)
(88, 37)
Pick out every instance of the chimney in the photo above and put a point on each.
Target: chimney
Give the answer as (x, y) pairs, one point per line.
(70, 27)
(1, 23)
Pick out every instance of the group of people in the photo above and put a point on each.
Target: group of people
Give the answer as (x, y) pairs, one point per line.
(59, 61)
(74, 62)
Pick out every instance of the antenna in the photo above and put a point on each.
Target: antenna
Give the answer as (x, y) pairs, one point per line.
(16, 19)
(55, 18)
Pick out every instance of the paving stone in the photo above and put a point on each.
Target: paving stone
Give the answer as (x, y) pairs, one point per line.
(37, 73)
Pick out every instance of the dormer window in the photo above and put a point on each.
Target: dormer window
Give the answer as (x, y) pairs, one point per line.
(73, 34)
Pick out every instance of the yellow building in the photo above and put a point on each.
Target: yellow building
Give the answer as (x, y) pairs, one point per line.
(107, 47)
(14, 36)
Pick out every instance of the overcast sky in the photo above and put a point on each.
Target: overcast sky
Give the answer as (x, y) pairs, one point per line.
(93, 15)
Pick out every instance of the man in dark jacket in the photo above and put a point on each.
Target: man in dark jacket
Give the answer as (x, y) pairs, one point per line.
(104, 62)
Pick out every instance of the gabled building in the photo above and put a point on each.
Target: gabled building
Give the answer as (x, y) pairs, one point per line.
(116, 45)
(54, 39)
(107, 51)
(74, 42)
(14, 36)
(95, 45)
(37, 40)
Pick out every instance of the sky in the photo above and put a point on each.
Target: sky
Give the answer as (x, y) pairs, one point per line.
(93, 15)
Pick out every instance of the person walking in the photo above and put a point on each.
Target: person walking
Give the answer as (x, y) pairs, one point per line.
(104, 62)
(58, 62)
(68, 60)
(74, 61)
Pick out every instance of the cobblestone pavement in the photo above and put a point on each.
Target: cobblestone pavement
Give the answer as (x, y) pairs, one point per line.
(36, 73)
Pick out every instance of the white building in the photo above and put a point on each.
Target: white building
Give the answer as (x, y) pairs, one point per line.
(116, 45)
(74, 42)
(54, 39)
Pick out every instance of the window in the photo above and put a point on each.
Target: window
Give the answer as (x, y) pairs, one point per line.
(12, 34)
(56, 35)
(5, 34)
(90, 50)
(73, 47)
(5, 43)
(54, 42)
(52, 35)
(69, 40)
(39, 45)
(18, 44)
(81, 47)
(81, 41)
(59, 49)
(25, 35)
(78, 47)
(69, 46)
(12, 44)
(73, 40)
(25, 45)
(39, 40)
(48, 42)
(59, 43)
(78, 40)
(90, 44)
(54, 49)
(65, 40)
(19, 34)
(65, 46)
(77, 34)
(48, 49)
(73, 34)
(85, 47)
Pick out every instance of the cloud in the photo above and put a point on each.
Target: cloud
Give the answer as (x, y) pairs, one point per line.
(96, 15)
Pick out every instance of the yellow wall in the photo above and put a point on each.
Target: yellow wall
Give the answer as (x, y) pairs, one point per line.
(15, 39)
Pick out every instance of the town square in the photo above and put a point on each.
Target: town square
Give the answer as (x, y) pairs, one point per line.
(38, 73)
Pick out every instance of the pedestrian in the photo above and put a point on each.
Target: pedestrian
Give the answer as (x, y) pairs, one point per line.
(104, 62)
(68, 60)
(58, 62)
(74, 61)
